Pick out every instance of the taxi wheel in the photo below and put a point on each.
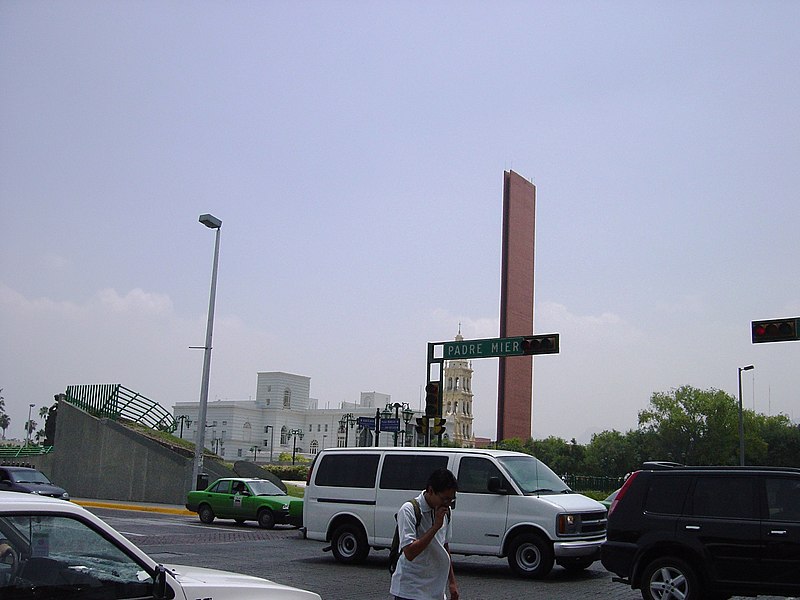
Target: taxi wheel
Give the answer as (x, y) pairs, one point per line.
(266, 519)
(206, 514)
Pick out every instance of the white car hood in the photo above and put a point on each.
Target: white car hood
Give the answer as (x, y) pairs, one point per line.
(572, 502)
(198, 582)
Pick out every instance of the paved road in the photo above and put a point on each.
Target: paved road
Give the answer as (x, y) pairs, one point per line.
(284, 556)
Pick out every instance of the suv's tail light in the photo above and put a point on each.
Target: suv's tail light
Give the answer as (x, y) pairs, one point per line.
(622, 491)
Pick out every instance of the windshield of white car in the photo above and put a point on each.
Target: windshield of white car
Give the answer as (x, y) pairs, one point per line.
(533, 476)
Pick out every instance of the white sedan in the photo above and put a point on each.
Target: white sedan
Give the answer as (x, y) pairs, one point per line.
(55, 549)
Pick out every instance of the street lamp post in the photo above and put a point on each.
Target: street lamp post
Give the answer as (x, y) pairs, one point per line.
(211, 222)
(387, 413)
(741, 418)
(28, 425)
(271, 430)
(294, 433)
(187, 420)
(407, 414)
(254, 450)
(346, 421)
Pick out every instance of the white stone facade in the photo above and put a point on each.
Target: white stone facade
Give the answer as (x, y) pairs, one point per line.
(261, 429)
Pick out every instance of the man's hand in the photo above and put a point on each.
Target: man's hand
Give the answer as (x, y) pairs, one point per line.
(438, 517)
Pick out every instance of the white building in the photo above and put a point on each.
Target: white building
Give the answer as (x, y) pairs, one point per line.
(284, 418)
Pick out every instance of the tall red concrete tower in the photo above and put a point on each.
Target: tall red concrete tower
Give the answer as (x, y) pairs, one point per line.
(515, 385)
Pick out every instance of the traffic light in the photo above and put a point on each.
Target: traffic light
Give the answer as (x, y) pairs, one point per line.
(775, 330)
(540, 344)
(438, 426)
(432, 399)
(422, 425)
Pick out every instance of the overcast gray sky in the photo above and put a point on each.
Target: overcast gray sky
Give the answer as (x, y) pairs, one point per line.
(355, 154)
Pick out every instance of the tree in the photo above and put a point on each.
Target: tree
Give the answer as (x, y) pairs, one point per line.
(610, 454)
(30, 427)
(5, 421)
(693, 426)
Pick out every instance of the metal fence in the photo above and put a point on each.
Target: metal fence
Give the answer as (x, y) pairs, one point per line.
(8, 452)
(589, 482)
(114, 401)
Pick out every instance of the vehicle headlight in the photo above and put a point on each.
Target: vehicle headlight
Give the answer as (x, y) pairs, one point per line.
(65, 496)
(569, 524)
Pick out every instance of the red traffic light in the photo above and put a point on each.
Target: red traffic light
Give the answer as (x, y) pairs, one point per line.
(775, 330)
(540, 344)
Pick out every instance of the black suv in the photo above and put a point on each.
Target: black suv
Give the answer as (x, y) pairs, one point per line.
(706, 532)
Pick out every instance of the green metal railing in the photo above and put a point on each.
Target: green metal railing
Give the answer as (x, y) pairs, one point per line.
(7, 452)
(114, 401)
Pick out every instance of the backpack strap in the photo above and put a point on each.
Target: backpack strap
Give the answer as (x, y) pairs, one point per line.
(417, 512)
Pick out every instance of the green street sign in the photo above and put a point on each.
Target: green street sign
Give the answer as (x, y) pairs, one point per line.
(512, 346)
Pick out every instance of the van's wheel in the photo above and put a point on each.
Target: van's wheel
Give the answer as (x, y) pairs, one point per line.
(266, 520)
(669, 578)
(349, 544)
(530, 556)
(206, 514)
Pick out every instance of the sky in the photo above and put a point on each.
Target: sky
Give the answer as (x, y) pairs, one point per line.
(355, 151)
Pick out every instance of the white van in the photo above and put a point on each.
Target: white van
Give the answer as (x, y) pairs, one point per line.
(509, 504)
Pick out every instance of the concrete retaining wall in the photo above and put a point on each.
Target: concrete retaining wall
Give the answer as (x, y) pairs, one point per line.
(101, 459)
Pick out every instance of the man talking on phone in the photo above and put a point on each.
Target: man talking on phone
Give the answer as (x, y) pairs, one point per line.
(424, 570)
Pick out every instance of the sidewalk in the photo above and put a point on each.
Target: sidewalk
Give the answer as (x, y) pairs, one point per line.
(173, 509)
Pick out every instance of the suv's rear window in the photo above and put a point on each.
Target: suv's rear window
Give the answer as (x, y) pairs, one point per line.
(666, 493)
(409, 472)
(347, 470)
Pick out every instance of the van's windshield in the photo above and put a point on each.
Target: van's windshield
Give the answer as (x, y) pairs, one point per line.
(533, 476)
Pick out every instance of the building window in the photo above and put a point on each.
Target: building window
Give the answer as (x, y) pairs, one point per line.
(326, 428)
(314, 447)
(283, 435)
(239, 452)
(287, 398)
(319, 427)
(246, 432)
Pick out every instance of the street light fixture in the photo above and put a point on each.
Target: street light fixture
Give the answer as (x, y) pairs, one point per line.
(211, 222)
(346, 421)
(294, 433)
(407, 413)
(184, 419)
(741, 418)
(254, 450)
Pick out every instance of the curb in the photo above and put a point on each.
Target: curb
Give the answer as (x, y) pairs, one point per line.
(141, 507)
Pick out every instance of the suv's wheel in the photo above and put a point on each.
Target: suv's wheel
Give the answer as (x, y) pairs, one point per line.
(669, 578)
(349, 543)
(206, 514)
(530, 556)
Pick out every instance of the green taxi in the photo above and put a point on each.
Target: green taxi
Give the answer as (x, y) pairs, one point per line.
(246, 499)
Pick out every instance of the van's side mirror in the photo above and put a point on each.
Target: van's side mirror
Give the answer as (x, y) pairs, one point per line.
(160, 583)
(496, 486)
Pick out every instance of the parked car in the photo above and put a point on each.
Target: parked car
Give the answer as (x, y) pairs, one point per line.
(54, 549)
(246, 499)
(609, 499)
(706, 532)
(29, 481)
(509, 505)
